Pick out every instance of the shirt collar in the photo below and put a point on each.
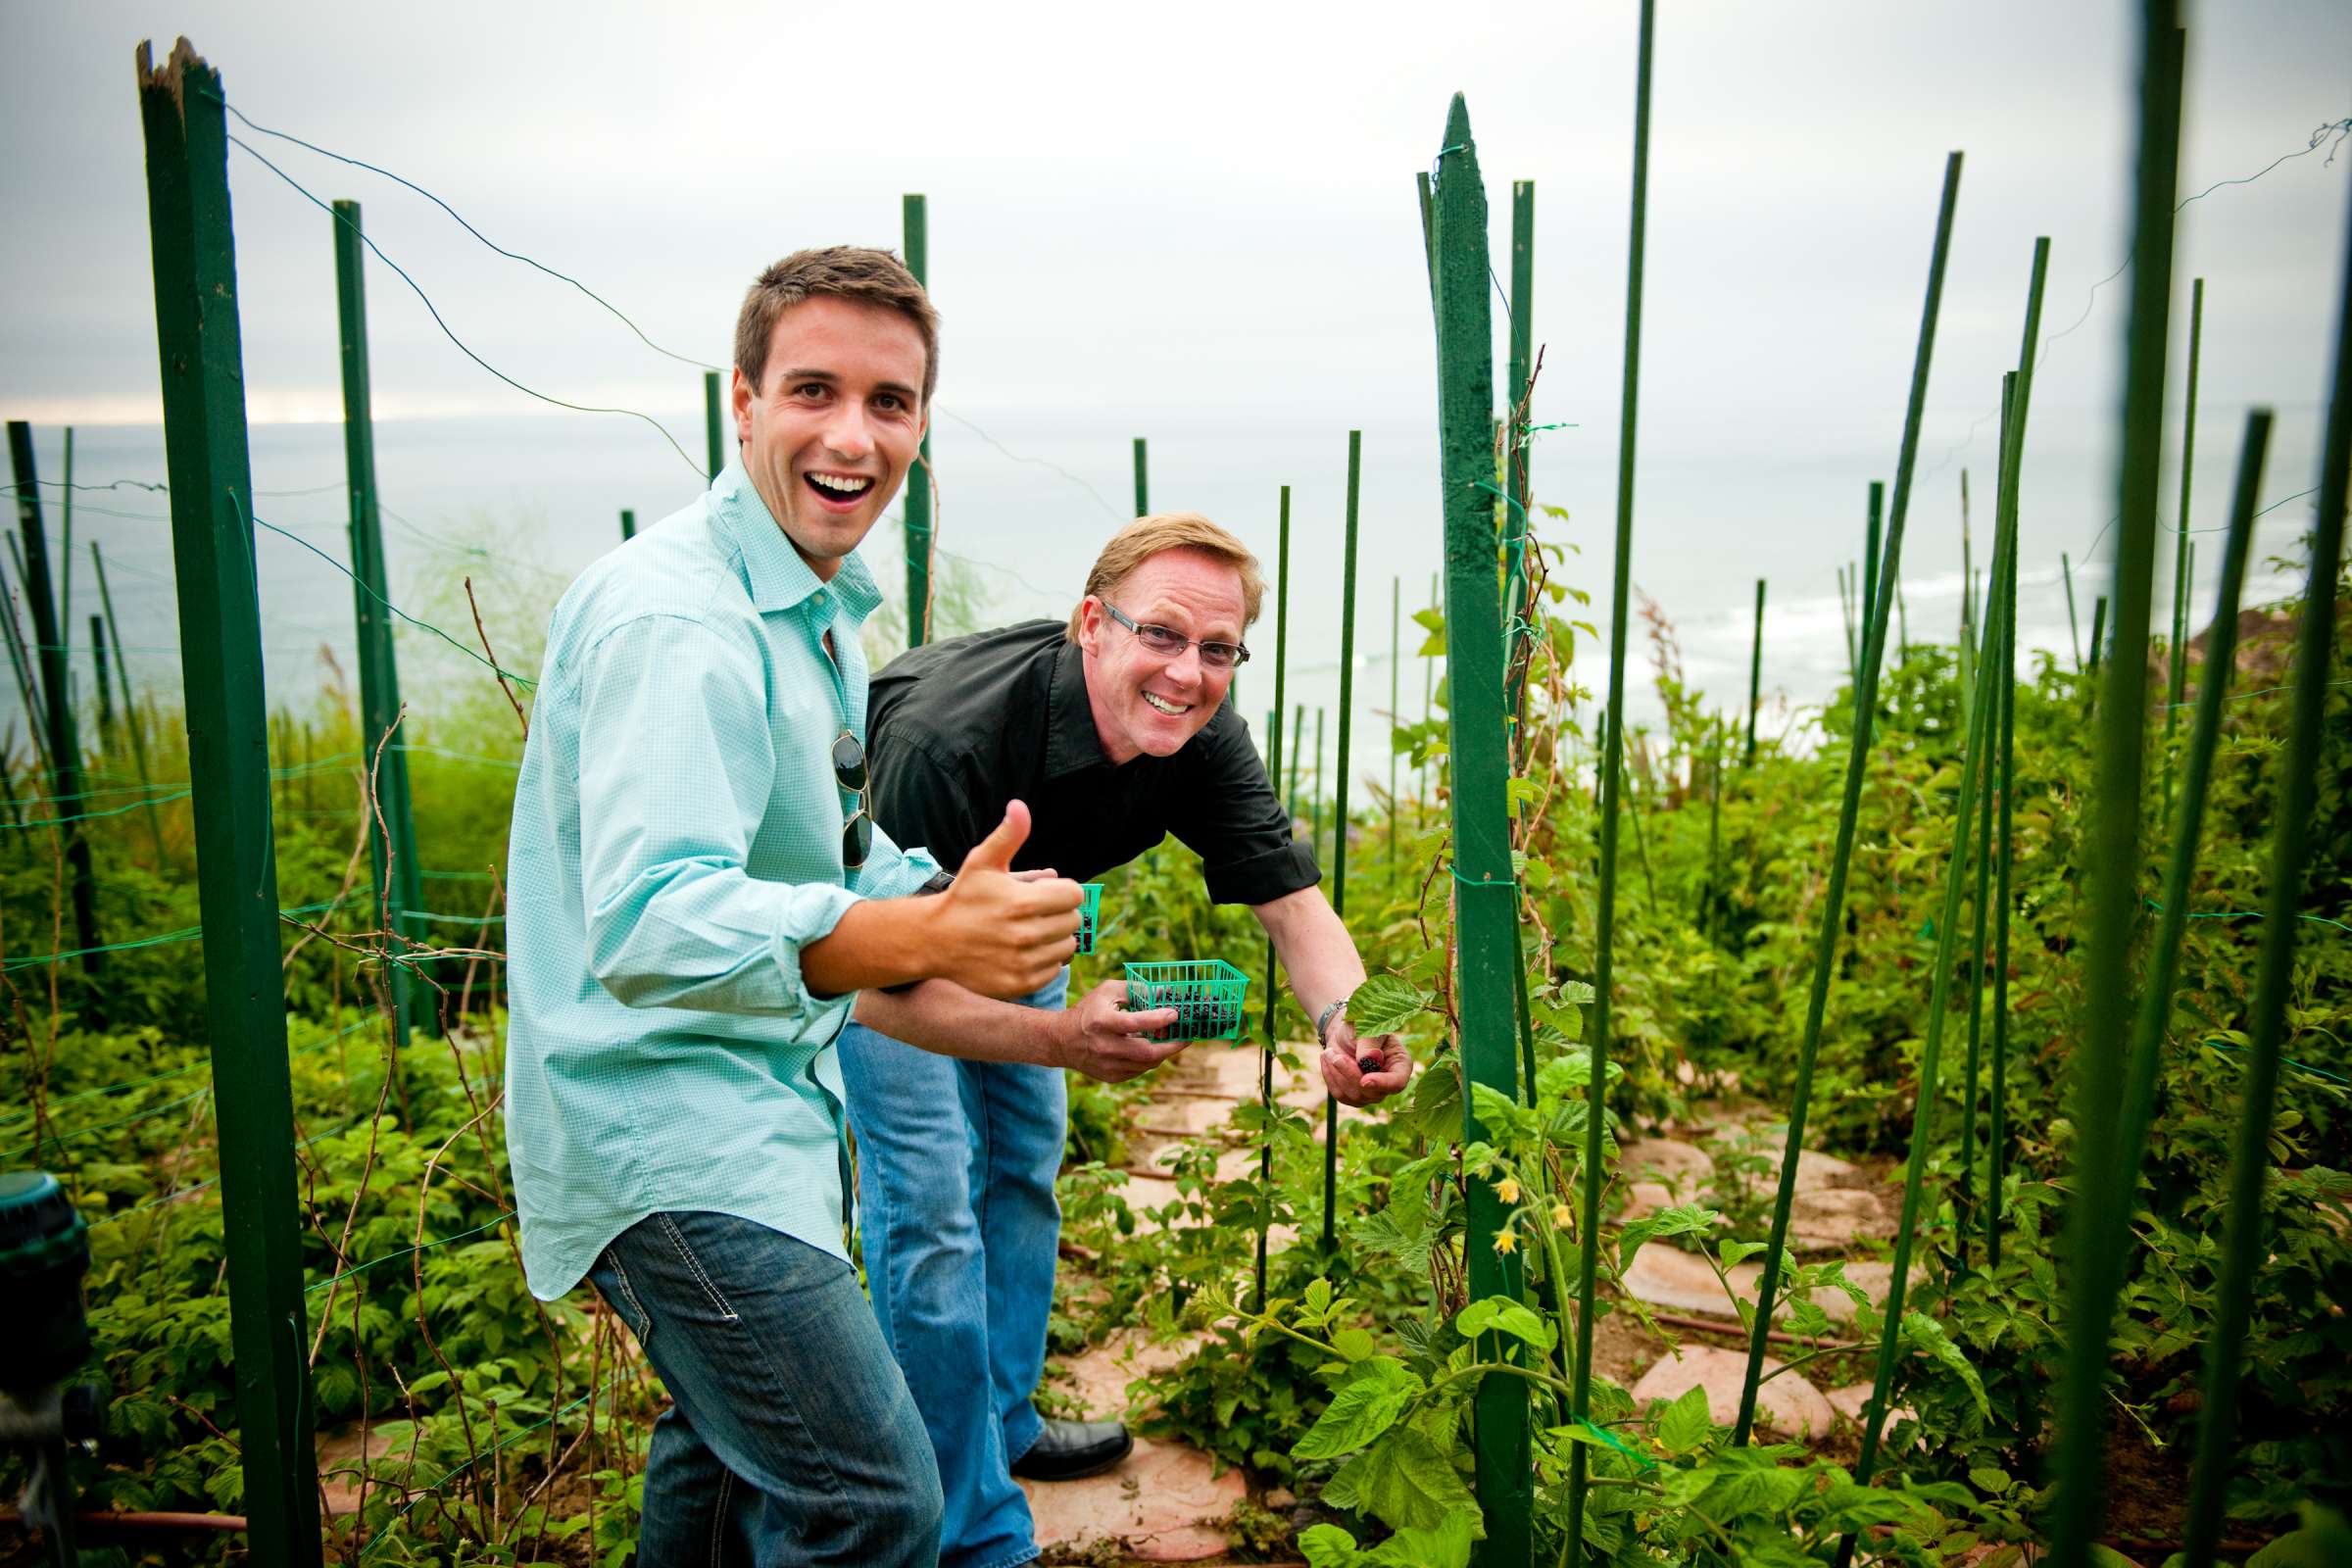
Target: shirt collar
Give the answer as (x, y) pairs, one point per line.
(779, 578)
(1071, 743)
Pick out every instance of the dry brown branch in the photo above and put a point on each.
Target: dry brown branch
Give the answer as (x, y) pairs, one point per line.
(495, 668)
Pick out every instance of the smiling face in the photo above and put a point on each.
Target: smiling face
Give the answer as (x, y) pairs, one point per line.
(834, 423)
(1146, 704)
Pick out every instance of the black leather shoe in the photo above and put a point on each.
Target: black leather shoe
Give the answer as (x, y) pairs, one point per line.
(1069, 1449)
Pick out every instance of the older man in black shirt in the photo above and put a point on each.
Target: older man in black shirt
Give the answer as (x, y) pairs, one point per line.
(1113, 729)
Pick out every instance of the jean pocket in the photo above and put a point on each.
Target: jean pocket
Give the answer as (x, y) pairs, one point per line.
(632, 1311)
(694, 1266)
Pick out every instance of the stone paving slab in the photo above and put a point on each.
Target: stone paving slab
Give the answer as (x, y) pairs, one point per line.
(1787, 1404)
(1684, 1168)
(1676, 1280)
(1099, 1378)
(1853, 1403)
(1160, 1505)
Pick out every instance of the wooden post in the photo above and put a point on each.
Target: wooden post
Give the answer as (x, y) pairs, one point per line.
(1485, 891)
(48, 660)
(915, 221)
(392, 846)
(202, 360)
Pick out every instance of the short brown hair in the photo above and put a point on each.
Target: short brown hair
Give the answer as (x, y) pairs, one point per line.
(840, 272)
(1147, 537)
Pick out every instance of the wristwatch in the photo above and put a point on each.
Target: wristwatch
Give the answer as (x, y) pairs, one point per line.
(1323, 1022)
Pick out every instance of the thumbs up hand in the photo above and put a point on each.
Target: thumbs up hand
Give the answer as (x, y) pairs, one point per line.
(1000, 932)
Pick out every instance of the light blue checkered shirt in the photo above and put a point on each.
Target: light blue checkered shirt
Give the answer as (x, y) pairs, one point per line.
(676, 840)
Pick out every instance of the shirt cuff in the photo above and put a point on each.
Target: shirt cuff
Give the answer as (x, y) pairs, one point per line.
(891, 872)
(1263, 878)
(810, 914)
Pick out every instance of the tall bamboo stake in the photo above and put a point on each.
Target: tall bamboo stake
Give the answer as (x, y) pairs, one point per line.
(2006, 512)
(1755, 677)
(1339, 810)
(2242, 1249)
(1833, 916)
(2073, 631)
(1265, 1060)
(2111, 847)
(133, 719)
(1596, 1081)
(1485, 891)
(1923, 1116)
(2178, 672)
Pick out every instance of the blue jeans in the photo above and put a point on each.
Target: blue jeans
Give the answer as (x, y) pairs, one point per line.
(790, 1437)
(956, 1167)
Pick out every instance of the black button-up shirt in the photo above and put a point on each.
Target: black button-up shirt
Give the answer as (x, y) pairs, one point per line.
(956, 729)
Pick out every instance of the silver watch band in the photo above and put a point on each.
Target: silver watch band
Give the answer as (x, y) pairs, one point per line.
(1323, 1023)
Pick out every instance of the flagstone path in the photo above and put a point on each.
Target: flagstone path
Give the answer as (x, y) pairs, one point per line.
(1164, 1505)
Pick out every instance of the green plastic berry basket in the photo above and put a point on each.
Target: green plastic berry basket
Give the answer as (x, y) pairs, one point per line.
(1090, 905)
(1210, 997)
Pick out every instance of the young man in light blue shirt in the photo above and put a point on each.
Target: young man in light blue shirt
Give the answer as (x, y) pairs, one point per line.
(696, 898)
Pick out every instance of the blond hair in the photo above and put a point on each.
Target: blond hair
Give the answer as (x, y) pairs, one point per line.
(1147, 537)
(836, 272)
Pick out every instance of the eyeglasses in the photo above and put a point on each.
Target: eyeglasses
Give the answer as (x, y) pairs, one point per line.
(1169, 643)
(850, 773)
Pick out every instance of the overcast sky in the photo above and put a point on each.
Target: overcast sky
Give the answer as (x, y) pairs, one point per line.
(1196, 223)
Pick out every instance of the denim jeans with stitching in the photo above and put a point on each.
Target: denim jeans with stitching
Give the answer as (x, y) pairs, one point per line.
(956, 1167)
(792, 1438)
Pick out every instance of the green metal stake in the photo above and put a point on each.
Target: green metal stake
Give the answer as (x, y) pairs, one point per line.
(2074, 630)
(106, 694)
(1265, 1061)
(2098, 631)
(2163, 964)
(2110, 846)
(1338, 810)
(1850, 808)
(2177, 683)
(48, 659)
(1964, 1179)
(64, 543)
(2242, 1249)
(1870, 550)
(1613, 781)
(1298, 745)
(1846, 610)
(20, 659)
(1516, 459)
(1709, 898)
(628, 526)
(221, 646)
(1755, 677)
(392, 846)
(1429, 239)
(2006, 510)
(1479, 746)
(714, 444)
(915, 220)
(133, 719)
(1142, 479)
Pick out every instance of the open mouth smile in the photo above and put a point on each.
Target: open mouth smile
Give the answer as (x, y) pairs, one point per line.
(1161, 705)
(839, 490)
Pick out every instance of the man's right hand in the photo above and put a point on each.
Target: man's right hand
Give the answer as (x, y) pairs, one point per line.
(1000, 933)
(1105, 1042)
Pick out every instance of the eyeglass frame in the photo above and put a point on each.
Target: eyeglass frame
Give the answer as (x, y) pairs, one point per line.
(855, 846)
(1240, 651)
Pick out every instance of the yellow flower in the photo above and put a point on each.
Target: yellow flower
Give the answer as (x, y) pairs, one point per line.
(1507, 1241)
(1562, 1215)
(1507, 1190)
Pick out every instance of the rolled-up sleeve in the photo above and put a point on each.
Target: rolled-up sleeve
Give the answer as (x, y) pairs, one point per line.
(676, 769)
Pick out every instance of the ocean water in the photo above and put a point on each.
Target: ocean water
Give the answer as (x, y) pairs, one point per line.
(518, 504)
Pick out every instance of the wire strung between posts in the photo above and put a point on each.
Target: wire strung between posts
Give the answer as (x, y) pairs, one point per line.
(2244, 914)
(196, 1187)
(406, 1251)
(434, 310)
(200, 1063)
(512, 256)
(184, 934)
(253, 521)
(2316, 1072)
